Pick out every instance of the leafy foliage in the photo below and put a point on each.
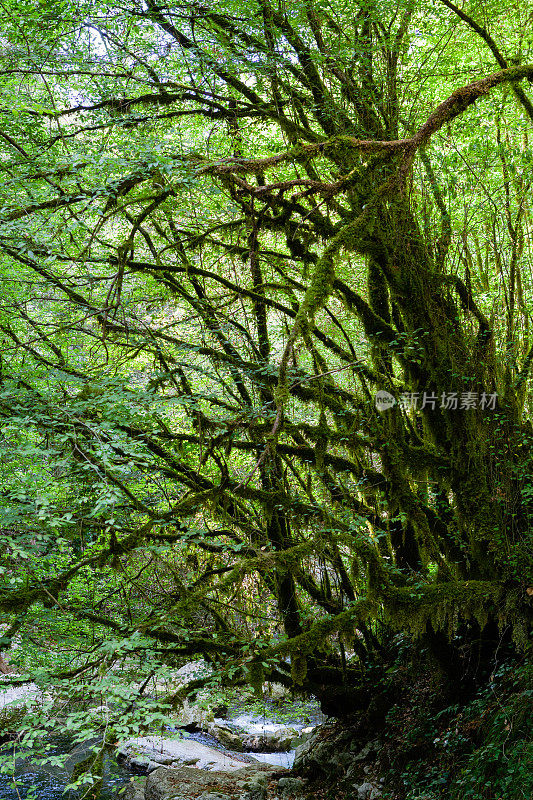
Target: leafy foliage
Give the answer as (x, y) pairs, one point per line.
(223, 232)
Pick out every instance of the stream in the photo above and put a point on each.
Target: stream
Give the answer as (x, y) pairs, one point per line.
(47, 782)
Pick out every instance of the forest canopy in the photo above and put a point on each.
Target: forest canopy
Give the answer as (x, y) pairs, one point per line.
(266, 332)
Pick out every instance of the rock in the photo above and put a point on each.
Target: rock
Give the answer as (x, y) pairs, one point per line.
(353, 773)
(193, 716)
(304, 756)
(258, 778)
(193, 671)
(369, 751)
(314, 756)
(257, 793)
(226, 736)
(267, 742)
(257, 788)
(280, 739)
(328, 753)
(138, 765)
(142, 765)
(138, 753)
(336, 752)
(341, 759)
(214, 796)
(29, 694)
(15, 702)
(185, 783)
(286, 738)
(276, 691)
(364, 791)
(135, 790)
(290, 787)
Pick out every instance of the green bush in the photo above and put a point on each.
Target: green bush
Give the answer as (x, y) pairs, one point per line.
(479, 751)
(500, 766)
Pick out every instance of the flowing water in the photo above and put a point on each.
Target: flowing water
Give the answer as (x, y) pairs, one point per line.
(48, 782)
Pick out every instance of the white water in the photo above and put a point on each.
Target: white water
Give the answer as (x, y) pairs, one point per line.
(278, 759)
(19, 695)
(252, 724)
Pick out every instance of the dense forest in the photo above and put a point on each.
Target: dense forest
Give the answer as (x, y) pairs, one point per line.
(267, 341)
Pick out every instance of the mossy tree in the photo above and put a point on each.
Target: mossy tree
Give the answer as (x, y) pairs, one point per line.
(223, 232)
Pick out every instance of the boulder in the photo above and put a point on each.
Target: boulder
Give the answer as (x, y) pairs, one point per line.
(309, 755)
(15, 701)
(370, 750)
(269, 739)
(325, 753)
(226, 736)
(193, 716)
(186, 783)
(193, 671)
(135, 789)
(277, 741)
(138, 754)
(291, 788)
(276, 692)
(366, 791)
(335, 754)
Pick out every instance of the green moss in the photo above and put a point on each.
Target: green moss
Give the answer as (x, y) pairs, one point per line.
(92, 764)
(298, 669)
(256, 677)
(11, 717)
(342, 150)
(316, 637)
(441, 604)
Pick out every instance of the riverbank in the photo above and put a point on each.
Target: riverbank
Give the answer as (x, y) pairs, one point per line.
(413, 742)
(256, 732)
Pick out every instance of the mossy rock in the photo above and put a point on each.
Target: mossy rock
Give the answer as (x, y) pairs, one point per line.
(11, 717)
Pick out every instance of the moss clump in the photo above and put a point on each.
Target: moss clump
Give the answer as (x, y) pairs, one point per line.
(256, 677)
(441, 604)
(11, 717)
(298, 669)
